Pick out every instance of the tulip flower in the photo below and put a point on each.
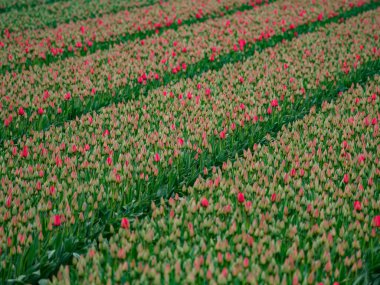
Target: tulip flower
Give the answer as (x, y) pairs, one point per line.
(125, 223)
(57, 220)
(240, 197)
(204, 202)
(357, 206)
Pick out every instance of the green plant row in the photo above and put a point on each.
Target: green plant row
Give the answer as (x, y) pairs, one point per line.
(76, 107)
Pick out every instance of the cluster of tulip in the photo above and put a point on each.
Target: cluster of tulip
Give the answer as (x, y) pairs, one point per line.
(84, 35)
(46, 95)
(55, 183)
(12, 4)
(29, 15)
(304, 209)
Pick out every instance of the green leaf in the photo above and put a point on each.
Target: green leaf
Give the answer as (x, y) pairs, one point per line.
(43, 282)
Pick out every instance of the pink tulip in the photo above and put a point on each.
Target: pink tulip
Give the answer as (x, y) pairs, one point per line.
(376, 221)
(67, 96)
(57, 220)
(125, 223)
(274, 103)
(240, 197)
(204, 202)
(25, 152)
(346, 178)
(21, 111)
(357, 206)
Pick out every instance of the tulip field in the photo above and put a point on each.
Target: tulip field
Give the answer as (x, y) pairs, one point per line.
(190, 142)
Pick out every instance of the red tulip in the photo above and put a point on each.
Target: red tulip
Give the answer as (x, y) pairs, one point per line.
(67, 96)
(273, 197)
(109, 160)
(6, 122)
(180, 141)
(57, 220)
(125, 223)
(357, 206)
(274, 103)
(8, 202)
(346, 178)
(157, 157)
(204, 202)
(376, 221)
(25, 152)
(240, 197)
(361, 158)
(21, 111)
(40, 111)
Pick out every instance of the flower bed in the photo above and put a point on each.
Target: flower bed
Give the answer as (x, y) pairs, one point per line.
(70, 183)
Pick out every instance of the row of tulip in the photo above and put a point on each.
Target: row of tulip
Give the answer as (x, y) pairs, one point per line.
(46, 95)
(88, 35)
(66, 182)
(30, 15)
(8, 5)
(304, 209)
